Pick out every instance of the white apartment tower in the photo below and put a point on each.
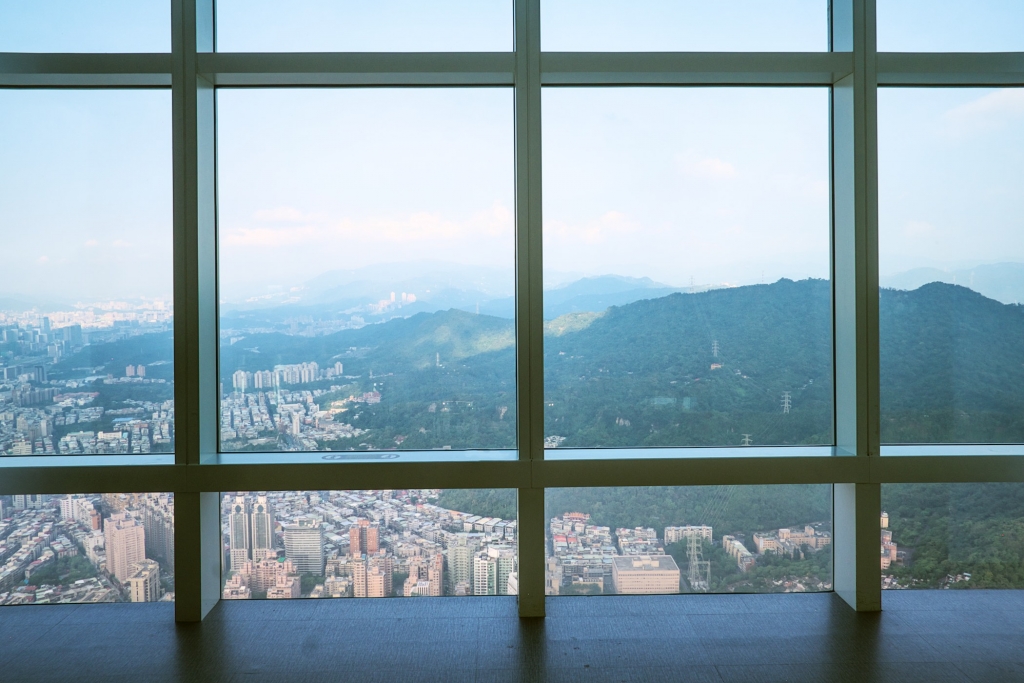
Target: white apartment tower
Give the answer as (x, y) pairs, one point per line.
(304, 545)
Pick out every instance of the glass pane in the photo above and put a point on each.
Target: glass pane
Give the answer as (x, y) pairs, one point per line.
(952, 536)
(76, 26)
(86, 547)
(369, 544)
(951, 265)
(366, 269)
(686, 265)
(691, 25)
(352, 26)
(689, 539)
(86, 355)
(950, 25)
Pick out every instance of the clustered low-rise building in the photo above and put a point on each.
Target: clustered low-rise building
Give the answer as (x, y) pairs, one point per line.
(791, 541)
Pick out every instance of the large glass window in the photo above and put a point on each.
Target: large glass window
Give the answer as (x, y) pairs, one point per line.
(686, 263)
(86, 355)
(369, 544)
(941, 536)
(951, 265)
(86, 547)
(366, 269)
(353, 26)
(950, 25)
(75, 26)
(695, 539)
(671, 25)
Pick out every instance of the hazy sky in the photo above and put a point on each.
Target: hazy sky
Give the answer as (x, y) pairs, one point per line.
(85, 194)
(713, 184)
(950, 176)
(322, 179)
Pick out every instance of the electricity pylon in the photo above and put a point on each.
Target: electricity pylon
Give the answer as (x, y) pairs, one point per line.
(786, 403)
(699, 572)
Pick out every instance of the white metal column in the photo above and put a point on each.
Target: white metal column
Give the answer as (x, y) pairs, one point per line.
(197, 513)
(529, 302)
(855, 281)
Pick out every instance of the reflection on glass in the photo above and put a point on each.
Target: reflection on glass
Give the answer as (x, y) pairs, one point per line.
(686, 266)
(690, 25)
(369, 544)
(95, 26)
(695, 539)
(950, 25)
(366, 269)
(351, 26)
(86, 547)
(86, 357)
(952, 536)
(951, 265)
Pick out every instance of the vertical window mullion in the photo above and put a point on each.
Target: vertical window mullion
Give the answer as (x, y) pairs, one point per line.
(529, 301)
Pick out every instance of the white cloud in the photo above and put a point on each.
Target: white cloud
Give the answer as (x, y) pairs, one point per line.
(42, 259)
(991, 110)
(92, 243)
(317, 230)
(609, 225)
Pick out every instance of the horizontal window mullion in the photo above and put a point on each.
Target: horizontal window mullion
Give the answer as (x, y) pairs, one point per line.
(85, 70)
(313, 69)
(906, 68)
(684, 68)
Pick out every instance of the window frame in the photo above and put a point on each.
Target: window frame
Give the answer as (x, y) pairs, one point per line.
(853, 69)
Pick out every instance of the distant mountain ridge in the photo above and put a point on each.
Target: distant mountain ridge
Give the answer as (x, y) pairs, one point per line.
(951, 368)
(1003, 282)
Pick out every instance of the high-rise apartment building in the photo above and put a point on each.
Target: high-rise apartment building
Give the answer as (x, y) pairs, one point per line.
(262, 525)
(67, 508)
(125, 541)
(461, 549)
(158, 521)
(239, 535)
(372, 577)
(304, 545)
(144, 581)
(364, 538)
(28, 502)
(491, 569)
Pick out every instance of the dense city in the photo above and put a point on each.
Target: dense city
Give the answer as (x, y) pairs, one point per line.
(48, 407)
(86, 548)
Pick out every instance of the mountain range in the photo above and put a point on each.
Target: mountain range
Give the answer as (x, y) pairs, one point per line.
(700, 369)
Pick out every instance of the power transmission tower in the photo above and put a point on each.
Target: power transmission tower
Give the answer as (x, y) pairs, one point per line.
(786, 403)
(714, 348)
(699, 572)
(746, 440)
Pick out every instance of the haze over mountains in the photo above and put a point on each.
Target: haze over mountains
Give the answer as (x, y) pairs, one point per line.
(647, 373)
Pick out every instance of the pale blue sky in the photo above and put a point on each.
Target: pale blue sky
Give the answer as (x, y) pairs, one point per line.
(950, 176)
(717, 184)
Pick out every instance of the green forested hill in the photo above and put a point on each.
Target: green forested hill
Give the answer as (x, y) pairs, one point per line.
(953, 528)
(646, 374)
(728, 509)
(952, 367)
